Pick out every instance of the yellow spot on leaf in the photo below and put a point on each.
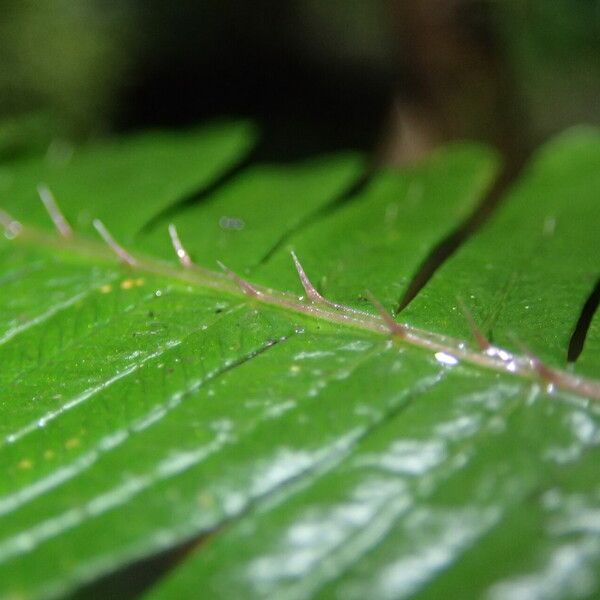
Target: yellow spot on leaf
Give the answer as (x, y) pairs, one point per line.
(206, 500)
(48, 454)
(72, 443)
(127, 284)
(25, 463)
(106, 288)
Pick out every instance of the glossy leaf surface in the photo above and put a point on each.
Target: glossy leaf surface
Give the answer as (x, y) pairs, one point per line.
(143, 408)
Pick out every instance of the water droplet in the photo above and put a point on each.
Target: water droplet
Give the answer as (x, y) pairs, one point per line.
(446, 359)
(231, 223)
(497, 352)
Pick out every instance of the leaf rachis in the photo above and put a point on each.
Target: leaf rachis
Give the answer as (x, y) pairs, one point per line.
(547, 374)
(492, 358)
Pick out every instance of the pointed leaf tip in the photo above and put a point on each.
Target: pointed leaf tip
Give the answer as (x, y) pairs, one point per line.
(394, 327)
(121, 253)
(180, 251)
(244, 285)
(482, 341)
(309, 288)
(49, 201)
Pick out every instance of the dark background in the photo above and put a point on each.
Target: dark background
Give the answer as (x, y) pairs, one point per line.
(391, 76)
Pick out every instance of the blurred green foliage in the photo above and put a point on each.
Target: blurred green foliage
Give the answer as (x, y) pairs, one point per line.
(78, 60)
(554, 50)
(66, 56)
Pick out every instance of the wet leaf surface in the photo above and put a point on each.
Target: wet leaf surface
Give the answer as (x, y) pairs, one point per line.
(142, 408)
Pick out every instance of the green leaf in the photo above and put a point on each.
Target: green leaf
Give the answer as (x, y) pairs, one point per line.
(529, 272)
(145, 407)
(126, 183)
